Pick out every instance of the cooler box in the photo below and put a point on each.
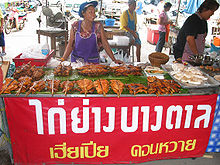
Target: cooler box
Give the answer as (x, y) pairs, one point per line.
(152, 35)
(34, 61)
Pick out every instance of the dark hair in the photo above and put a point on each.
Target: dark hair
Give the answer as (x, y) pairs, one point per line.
(167, 5)
(208, 5)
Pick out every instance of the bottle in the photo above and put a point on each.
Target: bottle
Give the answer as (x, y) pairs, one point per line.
(45, 49)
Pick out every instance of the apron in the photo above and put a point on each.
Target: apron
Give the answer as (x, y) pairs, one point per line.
(200, 44)
(85, 49)
(131, 25)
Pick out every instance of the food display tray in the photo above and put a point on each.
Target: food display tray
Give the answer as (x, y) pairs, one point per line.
(210, 82)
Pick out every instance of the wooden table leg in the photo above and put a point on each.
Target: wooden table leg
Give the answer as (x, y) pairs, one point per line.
(39, 37)
(53, 43)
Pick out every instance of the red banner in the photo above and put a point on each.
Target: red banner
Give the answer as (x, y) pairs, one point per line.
(108, 129)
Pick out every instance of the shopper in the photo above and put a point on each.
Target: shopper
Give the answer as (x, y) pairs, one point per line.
(2, 38)
(163, 22)
(128, 22)
(139, 11)
(191, 37)
(87, 37)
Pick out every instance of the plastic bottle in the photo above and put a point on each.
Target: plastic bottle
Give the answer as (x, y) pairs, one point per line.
(45, 49)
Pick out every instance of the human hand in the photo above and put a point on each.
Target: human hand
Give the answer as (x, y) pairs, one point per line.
(119, 62)
(61, 59)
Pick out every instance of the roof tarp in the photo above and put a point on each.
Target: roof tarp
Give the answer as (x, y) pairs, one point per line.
(192, 6)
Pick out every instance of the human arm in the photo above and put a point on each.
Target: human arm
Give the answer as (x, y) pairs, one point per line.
(192, 44)
(2, 21)
(69, 46)
(1, 27)
(106, 46)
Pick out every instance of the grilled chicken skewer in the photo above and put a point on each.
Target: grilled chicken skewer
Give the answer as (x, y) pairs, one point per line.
(117, 86)
(67, 86)
(102, 86)
(86, 86)
(37, 87)
(53, 85)
(25, 83)
(9, 85)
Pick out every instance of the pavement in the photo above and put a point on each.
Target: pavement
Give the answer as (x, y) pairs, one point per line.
(18, 41)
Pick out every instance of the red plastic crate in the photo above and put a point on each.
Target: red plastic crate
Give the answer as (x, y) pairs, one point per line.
(152, 36)
(37, 62)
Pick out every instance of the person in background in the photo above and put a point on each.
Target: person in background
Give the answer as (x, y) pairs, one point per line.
(163, 22)
(139, 11)
(2, 38)
(191, 37)
(87, 37)
(128, 22)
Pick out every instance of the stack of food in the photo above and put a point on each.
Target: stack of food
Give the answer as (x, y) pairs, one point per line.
(187, 74)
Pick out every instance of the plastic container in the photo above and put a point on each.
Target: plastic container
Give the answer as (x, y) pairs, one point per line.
(37, 62)
(109, 22)
(216, 41)
(121, 40)
(45, 49)
(152, 36)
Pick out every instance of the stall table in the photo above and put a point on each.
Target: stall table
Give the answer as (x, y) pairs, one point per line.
(96, 129)
(53, 34)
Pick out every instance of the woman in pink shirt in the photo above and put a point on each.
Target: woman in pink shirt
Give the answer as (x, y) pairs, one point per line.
(163, 22)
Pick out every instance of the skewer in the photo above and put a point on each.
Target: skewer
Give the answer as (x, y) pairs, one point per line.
(31, 89)
(104, 94)
(52, 87)
(7, 86)
(19, 90)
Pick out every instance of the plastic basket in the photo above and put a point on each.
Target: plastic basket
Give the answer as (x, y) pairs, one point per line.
(37, 62)
(109, 22)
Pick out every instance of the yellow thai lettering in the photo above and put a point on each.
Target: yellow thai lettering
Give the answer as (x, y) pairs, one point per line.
(143, 152)
(156, 148)
(103, 149)
(73, 152)
(175, 144)
(136, 150)
(182, 146)
(51, 153)
(190, 145)
(86, 150)
(59, 151)
(162, 145)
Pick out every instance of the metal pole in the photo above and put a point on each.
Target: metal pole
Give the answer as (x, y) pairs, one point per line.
(176, 22)
(100, 12)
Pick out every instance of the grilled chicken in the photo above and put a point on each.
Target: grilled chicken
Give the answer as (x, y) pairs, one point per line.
(67, 86)
(9, 86)
(117, 86)
(53, 85)
(86, 86)
(102, 86)
(24, 85)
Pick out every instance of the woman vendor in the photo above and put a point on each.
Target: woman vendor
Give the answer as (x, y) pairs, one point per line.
(191, 38)
(87, 37)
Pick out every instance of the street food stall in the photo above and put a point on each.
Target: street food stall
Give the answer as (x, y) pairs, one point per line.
(105, 114)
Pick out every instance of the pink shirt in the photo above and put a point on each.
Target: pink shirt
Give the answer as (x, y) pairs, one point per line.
(164, 17)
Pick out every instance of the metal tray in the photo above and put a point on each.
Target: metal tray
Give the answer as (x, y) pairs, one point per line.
(210, 82)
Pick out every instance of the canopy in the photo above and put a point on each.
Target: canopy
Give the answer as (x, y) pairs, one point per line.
(192, 6)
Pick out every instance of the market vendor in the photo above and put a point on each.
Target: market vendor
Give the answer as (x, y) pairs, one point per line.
(191, 38)
(128, 22)
(87, 37)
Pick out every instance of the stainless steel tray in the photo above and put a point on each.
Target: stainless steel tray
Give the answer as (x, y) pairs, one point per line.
(210, 82)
